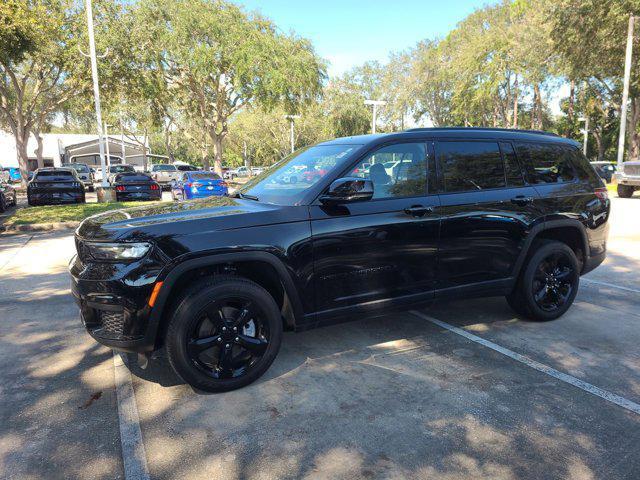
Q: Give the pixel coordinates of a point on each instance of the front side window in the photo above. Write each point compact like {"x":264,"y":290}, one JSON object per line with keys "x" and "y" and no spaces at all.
{"x":545,"y":163}
{"x":288,"y":182}
{"x":398,"y":170}
{"x":470,"y":166}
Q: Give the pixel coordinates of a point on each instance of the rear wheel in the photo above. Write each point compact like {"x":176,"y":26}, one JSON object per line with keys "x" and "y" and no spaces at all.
{"x":549,"y":284}
{"x":625,"y":191}
{"x":223,"y":334}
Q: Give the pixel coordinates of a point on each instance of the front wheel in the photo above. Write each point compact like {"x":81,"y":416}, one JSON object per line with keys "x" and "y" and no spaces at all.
{"x":625,"y":191}
{"x":223,"y":334}
{"x":549,"y":284}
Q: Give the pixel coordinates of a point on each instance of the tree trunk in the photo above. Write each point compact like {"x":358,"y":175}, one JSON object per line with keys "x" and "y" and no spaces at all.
{"x":39,"y":149}
{"x":515,"y":103}
{"x":217,"y":153}
{"x":600,"y":145}
{"x":167,"y":145}
{"x":537,"y":98}
{"x":572,"y":93}
{"x":23,"y":157}
{"x":633,"y":138}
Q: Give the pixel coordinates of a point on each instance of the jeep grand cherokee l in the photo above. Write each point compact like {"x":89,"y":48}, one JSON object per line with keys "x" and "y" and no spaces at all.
{"x":464,"y":212}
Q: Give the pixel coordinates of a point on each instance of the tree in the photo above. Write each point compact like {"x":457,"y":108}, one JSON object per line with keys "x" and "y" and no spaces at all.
{"x":218,"y":59}
{"x":38,"y":62}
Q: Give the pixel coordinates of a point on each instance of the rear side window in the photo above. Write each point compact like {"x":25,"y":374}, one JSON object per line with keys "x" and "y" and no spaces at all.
{"x":586,"y":172}
{"x":545,"y":163}
{"x":469,"y":166}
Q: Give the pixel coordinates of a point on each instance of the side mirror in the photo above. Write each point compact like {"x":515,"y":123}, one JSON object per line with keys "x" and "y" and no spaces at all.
{"x":347,"y":190}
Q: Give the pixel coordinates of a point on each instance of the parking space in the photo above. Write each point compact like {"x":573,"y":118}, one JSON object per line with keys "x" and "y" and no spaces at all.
{"x":395,"y":396}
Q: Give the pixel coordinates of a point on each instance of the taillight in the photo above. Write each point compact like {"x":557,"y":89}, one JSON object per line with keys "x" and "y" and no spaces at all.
{"x":196,"y":184}
{"x":120,"y":188}
{"x":224,"y":184}
{"x":602,"y":193}
{"x":154,"y":186}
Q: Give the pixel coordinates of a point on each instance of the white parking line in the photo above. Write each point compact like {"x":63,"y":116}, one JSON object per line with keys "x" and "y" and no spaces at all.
{"x":552,"y":372}
{"x":610,"y":285}
{"x":133,"y":454}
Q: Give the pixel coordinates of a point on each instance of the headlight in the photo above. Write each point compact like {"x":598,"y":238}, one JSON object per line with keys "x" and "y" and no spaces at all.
{"x":117,"y":251}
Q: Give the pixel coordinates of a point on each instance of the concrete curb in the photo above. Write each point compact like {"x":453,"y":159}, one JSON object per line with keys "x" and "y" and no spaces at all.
{"x":39,"y":227}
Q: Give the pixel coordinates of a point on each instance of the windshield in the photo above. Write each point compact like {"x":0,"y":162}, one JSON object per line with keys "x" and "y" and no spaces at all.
{"x":121,"y":168}
{"x":80,"y":168}
{"x":287,"y":182}
{"x":162,"y":168}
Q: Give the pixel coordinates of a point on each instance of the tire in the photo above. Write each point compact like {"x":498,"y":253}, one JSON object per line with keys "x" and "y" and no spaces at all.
{"x":3,"y":203}
{"x":625,"y":191}
{"x":223,"y":299}
{"x":548,"y":284}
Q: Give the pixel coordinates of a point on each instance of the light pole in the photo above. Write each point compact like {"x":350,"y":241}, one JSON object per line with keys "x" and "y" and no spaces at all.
{"x":586,"y":134}
{"x":375,"y":104}
{"x":96,"y":90}
{"x":625,"y":91}
{"x":292,"y":119}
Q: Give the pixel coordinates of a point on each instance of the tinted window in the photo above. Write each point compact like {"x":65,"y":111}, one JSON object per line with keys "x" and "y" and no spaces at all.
{"x":545,"y":163}
{"x":512,"y":168}
{"x":205,"y":176}
{"x":80,"y":168}
{"x":132,"y":177}
{"x":396,"y":170}
{"x":471,"y":166}
{"x":186,"y":168}
{"x":121,"y":169}
{"x":54,"y":175}
{"x":586,"y":171}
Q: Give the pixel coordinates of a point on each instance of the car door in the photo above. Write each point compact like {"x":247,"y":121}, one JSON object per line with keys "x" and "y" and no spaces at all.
{"x":486,"y":210}
{"x":384,"y":250}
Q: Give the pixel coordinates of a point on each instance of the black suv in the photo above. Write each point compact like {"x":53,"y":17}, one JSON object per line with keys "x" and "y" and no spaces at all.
{"x":340,"y":229}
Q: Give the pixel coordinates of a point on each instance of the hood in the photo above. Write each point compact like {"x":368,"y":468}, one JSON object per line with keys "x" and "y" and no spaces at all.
{"x":179,"y":218}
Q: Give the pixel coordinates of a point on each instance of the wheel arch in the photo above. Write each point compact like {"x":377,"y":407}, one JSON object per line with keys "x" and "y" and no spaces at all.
{"x":264,"y":268}
{"x":569,"y":231}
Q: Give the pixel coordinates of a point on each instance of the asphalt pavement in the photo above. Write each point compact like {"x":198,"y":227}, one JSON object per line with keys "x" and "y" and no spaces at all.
{"x":457,"y":390}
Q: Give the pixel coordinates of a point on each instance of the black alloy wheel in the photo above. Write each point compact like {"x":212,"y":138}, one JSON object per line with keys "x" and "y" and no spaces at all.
{"x":549,"y":282}
{"x":229,"y":338}
{"x":553,"y":281}
{"x":224,"y":333}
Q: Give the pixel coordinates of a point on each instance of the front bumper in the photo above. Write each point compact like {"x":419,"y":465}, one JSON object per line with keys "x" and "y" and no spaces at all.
{"x":113,"y":301}
{"x":626,"y":180}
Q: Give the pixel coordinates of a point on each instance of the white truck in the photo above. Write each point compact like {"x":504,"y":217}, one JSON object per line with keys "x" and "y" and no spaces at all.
{"x":165,"y":174}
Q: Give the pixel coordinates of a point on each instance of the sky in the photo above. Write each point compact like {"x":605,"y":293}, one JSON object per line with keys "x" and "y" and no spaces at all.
{"x":348,"y":33}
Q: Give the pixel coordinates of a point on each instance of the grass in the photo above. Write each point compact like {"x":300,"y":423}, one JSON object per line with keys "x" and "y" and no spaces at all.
{"x":64,"y":213}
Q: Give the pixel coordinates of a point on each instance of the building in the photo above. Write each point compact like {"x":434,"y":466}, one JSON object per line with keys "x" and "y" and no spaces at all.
{"x":61,"y":148}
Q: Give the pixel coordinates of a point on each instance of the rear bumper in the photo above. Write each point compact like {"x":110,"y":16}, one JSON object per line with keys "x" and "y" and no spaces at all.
{"x":143,"y":196}
{"x":55,"y":198}
{"x":593,"y":262}
{"x":210,"y":193}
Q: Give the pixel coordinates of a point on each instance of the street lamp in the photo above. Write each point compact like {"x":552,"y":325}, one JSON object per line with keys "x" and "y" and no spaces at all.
{"x":586,"y":133}
{"x":375,"y":104}
{"x":292,"y":119}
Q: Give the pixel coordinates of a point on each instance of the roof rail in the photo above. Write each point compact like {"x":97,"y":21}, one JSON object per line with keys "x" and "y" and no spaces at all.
{"x":488,"y":129}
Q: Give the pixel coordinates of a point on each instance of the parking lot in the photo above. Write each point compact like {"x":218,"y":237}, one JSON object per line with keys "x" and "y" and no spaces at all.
{"x":459,"y":390}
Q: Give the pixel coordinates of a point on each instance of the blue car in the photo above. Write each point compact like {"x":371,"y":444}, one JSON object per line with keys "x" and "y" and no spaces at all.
{"x":198,"y":184}
{"x":14,"y":173}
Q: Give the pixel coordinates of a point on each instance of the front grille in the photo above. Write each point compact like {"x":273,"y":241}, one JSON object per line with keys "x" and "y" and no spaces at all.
{"x":112,"y":323}
{"x":632,"y":170}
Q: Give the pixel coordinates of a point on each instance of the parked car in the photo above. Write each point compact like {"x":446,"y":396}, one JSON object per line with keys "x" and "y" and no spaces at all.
{"x":313,"y":174}
{"x":164,"y":174}
{"x":8,"y":196}
{"x":55,"y":185}
{"x":12,"y":174}
{"x":84,"y":174}
{"x":198,"y":185}
{"x":605,"y":170}
{"x":115,"y":170}
{"x":472,"y":212}
{"x":257,"y":170}
{"x":628,"y":179}
{"x":239,"y":172}
{"x":136,"y":186}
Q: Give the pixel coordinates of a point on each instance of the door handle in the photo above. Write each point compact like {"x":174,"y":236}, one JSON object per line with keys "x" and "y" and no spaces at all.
{"x":418,"y":210}
{"x":522,"y":200}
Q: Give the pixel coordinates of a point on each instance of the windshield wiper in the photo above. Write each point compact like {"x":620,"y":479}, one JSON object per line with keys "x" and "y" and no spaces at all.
{"x":246,"y":197}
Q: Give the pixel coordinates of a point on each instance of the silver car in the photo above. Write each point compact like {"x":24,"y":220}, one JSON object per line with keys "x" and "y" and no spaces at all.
{"x":628,"y":179}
